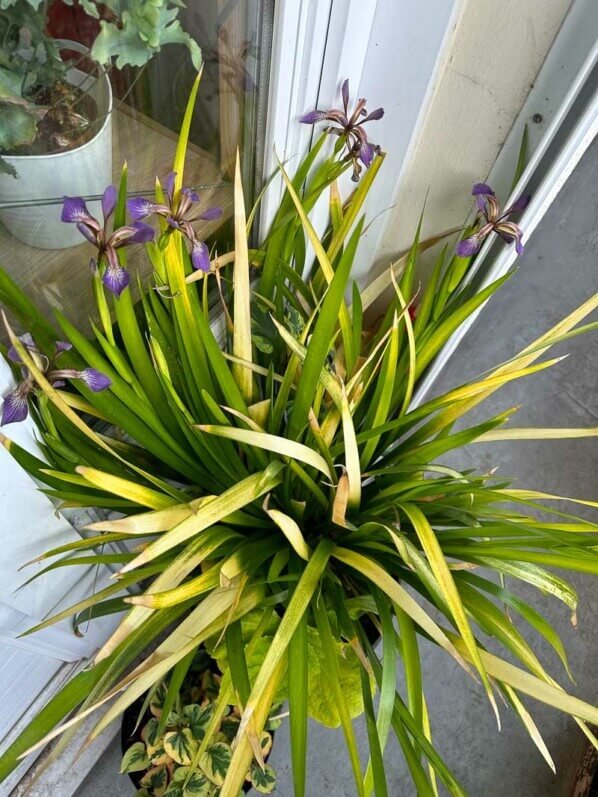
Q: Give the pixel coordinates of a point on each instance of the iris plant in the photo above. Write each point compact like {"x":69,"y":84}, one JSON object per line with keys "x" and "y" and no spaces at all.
{"x":74,"y":211}
{"x":180,"y":213}
{"x":15,"y":407}
{"x":495,"y":221}
{"x":350,"y":128}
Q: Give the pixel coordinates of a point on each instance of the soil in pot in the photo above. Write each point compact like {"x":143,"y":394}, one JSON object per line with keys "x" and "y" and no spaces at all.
{"x":71,"y":119}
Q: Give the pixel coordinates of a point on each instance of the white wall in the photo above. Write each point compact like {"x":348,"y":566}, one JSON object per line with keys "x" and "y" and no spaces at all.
{"x":489,"y":60}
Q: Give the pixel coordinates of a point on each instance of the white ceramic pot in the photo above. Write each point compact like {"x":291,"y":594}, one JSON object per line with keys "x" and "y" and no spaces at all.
{"x":31,"y":204}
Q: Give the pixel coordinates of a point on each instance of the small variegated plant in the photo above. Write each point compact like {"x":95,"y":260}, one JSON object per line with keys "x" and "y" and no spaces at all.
{"x":281,"y":497}
{"x":168,"y":759}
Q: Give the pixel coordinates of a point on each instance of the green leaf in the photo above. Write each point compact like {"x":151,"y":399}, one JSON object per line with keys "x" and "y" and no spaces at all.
{"x":198,"y":786}
{"x":180,"y":745}
{"x":216,"y":761}
{"x":263,"y":780}
{"x":135,"y":759}
{"x":199,"y":718}
{"x":318,"y":348}
{"x":330,"y":663}
{"x":155,"y":780}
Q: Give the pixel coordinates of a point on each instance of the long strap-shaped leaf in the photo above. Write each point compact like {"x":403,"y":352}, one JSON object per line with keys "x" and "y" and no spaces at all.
{"x":382,"y":579}
{"x":318,"y":348}
{"x":261,"y":694}
{"x":241,"y":293}
{"x":449,"y":590}
{"x":514,"y":433}
{"x":271,"y":442}
{"x":189,"y":558}
{"x":126,"y":489}
{"x":217,"y":509}
{"x":531,"y":685}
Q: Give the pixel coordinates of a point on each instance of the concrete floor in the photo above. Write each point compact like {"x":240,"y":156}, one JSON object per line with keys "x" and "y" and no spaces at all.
{"x":557,"y":271}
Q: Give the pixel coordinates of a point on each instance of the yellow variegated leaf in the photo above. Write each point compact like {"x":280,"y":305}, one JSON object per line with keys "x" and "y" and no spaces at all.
{"x":126,"y":489}
{"x":378,"y":576}
{"x":290,"y":529}
{"x":236,"y":497}
{"x":450,"y":593}
{"x":351,"y":455}
{"x":241,"y":293}
{"x":271,"y":442}
{"x":536,"y":434}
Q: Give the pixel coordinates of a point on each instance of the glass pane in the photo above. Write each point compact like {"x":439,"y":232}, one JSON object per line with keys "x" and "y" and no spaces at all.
{"x":67,"y":124}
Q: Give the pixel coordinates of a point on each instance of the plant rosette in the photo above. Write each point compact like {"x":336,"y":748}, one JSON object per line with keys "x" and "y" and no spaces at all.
{"x":187,"y":753}
{"x":281,"y":497}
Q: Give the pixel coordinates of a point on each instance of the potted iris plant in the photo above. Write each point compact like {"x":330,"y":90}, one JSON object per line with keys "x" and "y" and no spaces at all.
{"x":56,"y":106}
{"x":280,"y":497}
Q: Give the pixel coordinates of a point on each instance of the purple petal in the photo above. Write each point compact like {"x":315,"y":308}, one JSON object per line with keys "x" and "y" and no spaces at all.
{"x":27,"y":341}
{"x":200,"y":256}
{"x":86,"y":232}
{"x":520,"y":204}
{"x":109,"y":201}
{"x":480,"y":203}
{"x":94,"y":379}
{"x":62,"y":345}
{"x":482,"y":189}
{"x":193,"y":196}
{"x":143,"y":233}
{"x":366,"y":153}
{"x":345,"y":93}
{"x":312,"y":117}
{"x":169,"y":184}
{"x":139,"y":207}
{"x":172,"y":222}
{"x":378,"y":113}
{"x":15,"y":407}
{"x":469,"y":246}
{"x":211,"y":214}
{"x":116,"y":279}
{"x":518,"y":246}
{"x":58,"y":383}
{"x":74,"y":210}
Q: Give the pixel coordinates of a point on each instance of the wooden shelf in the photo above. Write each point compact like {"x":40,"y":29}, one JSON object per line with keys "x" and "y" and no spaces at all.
{"x":60,"y":277}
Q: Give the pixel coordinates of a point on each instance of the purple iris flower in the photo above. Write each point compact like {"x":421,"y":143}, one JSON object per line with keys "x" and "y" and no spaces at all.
{"x":74,"y":211}
{"x":350,"y":128}
{"x":16,"y":405}
{"x":180,"y":213}
{"x":495,"y":221}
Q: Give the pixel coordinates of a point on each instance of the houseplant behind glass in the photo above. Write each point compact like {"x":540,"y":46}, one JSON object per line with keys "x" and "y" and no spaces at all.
{"x":56,"y":108}
{"x":288,"y":477}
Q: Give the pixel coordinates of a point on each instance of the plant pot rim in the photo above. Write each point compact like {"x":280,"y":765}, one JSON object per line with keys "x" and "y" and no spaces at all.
{"x":80,"y":48}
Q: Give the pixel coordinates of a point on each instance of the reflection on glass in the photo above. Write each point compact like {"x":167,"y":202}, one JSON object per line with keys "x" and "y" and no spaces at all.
{"x":85,"y":87}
